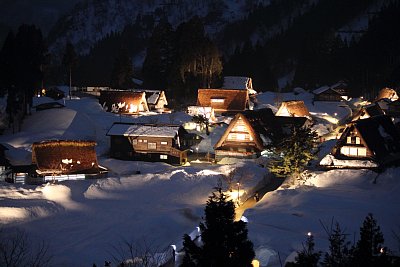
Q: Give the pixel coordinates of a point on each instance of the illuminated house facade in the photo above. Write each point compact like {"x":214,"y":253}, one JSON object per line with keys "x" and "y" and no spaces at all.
{"x":148,"y":142}
{"x":373,"y":142}
{"x":121,"y":101}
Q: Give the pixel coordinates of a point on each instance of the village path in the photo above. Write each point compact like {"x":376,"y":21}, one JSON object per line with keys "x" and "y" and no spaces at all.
{"x":274,"y":183}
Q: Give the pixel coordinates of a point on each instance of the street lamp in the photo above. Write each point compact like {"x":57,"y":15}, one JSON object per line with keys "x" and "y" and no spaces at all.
{"x":238,"y":196}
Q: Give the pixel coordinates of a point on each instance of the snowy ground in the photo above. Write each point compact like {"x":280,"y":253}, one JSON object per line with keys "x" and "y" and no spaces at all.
{"x":84,"y":220}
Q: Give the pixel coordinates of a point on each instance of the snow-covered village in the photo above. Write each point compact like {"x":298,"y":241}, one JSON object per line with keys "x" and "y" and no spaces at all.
{"x":199,"y":133}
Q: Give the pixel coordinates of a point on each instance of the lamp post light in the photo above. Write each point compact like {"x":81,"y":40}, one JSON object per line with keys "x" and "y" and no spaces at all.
{"x":197,"y":152}
{"x":238,"y":193}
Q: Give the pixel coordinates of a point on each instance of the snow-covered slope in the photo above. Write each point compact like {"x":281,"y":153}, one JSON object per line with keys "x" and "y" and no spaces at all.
{"x":83,"y":221}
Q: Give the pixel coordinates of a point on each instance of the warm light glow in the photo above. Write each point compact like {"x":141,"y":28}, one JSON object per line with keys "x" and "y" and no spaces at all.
{"x":132,"y":108}
{"x":309,"y":234}
{"x":255,"y":263}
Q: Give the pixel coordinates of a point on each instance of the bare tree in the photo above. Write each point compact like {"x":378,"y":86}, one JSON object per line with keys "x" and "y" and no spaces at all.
{"x":17,"y":250}
{"x":140,"y":253}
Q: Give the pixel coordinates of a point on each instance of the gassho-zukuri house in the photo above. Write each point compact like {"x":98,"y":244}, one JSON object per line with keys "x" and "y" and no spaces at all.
{"x":123,"y":101}
{"x":148,"y":142}
{"x":66,"y":160}
{"x":250,"y":132}
{"x":369,"y":143}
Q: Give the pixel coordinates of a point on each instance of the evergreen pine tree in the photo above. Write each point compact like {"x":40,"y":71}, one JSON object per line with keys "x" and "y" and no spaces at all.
{"x":224,"y":240}
{"x":308,"y":257}
{"x":159,"y":56}
{"x":293,"y":153}
{"x":339,"y":251}
{"x":369,"y":250}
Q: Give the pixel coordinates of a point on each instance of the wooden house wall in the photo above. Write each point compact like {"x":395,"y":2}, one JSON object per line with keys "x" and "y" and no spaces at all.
{"x":138,"y":148}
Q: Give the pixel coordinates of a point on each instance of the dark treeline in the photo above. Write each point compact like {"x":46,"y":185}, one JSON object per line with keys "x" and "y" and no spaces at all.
{"x":182,"y":60}
{"x":22,"y":60}
{"x":311,"y":45}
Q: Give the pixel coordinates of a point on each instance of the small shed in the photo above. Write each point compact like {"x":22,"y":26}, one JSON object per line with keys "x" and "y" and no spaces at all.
{"x":122,"y":101}
{"x":369,"y":143}
{"x":56,"y":158}
{"x":148,"y":142}
{"x":293,"y":108}
{"x":224,"y":100}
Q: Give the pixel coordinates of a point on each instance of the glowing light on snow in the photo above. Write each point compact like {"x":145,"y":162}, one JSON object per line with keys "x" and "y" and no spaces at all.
{"x":207,"y":172}
{"x":244,"y":219}
{"x":13,"y":214}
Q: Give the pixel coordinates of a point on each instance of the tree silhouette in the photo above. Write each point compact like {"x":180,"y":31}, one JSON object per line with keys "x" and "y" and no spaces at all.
{"x":224,"y":240}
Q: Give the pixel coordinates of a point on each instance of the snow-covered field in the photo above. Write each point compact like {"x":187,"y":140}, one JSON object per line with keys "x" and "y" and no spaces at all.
{"x":83,"y":220}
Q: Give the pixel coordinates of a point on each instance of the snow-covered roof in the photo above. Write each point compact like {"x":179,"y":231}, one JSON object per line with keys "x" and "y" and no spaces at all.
{"x":151,"y":95}
{"x":143,"y":130}
{"x":321,"y":89}
{"x":235,"y":82}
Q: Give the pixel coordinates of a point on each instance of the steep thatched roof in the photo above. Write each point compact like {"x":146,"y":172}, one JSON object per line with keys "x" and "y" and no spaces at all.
{"x":293,"y":108}
{"x":387,"y":93}
{"x":379,"y":134}
{"x":231,"y":100}
{"x":127,"y":98}
{"x":261,"y":123}
{"x":368,"y":111}
{"x":65,"y":157}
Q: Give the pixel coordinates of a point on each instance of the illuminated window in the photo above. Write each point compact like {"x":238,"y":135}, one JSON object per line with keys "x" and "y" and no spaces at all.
{"x":232,"y":136}
{"x":163,"y":157}
{"x":140,"y":140}
{"x":134,"y":141}
{"x":164,"y":143}
{"x":362,"y":152}
{"x":348,"y":139}
{"x":353,"y":151}
{"x":152,"y":146}
{"x":217,"y":100}
{"x":144,"y":141}
{"x":358,"y":140}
